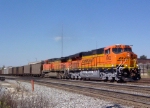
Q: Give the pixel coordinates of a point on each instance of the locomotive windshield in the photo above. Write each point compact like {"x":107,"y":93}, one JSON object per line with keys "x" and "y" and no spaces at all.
{"x":127,"y":49}
{"x":117,"y":50}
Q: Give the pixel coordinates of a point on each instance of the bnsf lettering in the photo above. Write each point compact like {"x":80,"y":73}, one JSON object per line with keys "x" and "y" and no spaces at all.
{"x":125,"y":58}
{"x":87,"y":61}
{"x":121,"y":58}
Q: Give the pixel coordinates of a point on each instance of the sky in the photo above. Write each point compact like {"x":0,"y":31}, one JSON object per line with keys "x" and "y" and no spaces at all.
{"x":32,"y":30}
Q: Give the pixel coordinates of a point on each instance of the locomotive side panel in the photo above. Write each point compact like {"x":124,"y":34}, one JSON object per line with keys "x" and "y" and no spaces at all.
{"x":57,"y":66}
{"x":75,"y":65}
{"x":99,"y":61}
{"x":109,"y":57}
{"x":46,"y":67}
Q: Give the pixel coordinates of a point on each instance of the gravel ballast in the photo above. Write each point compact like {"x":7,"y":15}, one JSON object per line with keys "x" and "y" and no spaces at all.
{"x":64,"y":99}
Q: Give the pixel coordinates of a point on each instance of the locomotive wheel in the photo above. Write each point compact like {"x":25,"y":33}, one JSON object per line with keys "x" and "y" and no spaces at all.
{"x":121,"y":81}
{"x":134,"y":78}
{"x":106,"y":79}
{"x":113,"y":79}
{"x":139,"y":77}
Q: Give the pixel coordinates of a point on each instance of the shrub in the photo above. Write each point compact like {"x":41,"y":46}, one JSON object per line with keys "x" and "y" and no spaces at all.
{"x":22,"y":98}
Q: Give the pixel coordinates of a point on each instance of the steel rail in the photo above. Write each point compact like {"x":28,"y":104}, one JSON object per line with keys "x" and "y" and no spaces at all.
{"x":131,"y":86}
{"x":116,"y":95}
{"x":138,"y":98}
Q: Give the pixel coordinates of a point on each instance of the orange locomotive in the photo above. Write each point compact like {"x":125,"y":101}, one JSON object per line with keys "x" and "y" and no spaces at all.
{"x":116,"y":62}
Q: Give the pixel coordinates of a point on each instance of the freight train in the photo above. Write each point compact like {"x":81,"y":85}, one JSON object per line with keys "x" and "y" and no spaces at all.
{"x":115,"y":63}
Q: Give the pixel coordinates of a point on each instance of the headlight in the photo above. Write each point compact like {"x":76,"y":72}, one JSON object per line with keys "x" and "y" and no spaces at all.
{"x":128,"y":55}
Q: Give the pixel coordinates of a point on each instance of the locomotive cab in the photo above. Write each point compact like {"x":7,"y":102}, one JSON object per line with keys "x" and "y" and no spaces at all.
{"x":122,"y":57}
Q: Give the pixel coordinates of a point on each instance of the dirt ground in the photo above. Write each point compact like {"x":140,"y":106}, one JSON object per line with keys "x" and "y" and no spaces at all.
{"x":145,"y":75}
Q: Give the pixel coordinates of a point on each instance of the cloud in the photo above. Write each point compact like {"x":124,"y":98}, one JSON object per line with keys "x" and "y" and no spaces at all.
{"x":58,"y":38}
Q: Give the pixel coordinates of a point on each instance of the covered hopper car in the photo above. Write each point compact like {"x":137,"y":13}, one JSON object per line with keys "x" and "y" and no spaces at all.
{"x":27,"y":70}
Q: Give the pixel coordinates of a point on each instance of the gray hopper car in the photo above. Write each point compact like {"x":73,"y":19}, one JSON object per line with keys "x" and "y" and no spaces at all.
{"x":5,"y":71}
{"x":10,"y":71}
{"x":27,"y":69}
{"x":2,"y":71}
{"x":15,"y":70}
{"x":36,"y":69}
{"x":20,"y":70}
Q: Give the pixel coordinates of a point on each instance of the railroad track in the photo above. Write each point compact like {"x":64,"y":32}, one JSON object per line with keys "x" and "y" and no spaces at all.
{"x":140,"y":89}
{"x":117,"y":92}
{"x":137,"y":89}
{"x":144,"y":81}
{"x":132,"y":99}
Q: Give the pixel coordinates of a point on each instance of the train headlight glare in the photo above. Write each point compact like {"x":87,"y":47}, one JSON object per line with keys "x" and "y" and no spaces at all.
{"x":128,"y":55}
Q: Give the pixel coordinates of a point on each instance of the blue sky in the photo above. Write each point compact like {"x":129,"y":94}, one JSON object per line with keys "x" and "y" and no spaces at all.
{"x":30,"y":30}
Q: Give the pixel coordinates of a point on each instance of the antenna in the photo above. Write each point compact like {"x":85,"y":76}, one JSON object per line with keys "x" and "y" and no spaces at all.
{"x":96,"y":44}
{"x":62,"y":42}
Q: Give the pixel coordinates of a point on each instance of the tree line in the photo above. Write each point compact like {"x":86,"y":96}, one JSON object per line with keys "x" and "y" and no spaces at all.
{"x":143,"y":57}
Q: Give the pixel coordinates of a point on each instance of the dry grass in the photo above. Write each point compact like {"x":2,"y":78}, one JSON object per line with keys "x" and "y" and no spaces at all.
{"x":23,"y":98}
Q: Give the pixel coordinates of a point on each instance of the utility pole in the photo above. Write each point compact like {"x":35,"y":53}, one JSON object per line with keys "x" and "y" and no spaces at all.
{"x":96,"y":44}
{"x":62,"y":42}
{"x":96,"y":54}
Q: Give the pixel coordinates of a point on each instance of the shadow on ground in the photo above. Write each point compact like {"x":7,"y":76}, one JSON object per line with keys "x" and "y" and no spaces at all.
{"x":113,"y":106}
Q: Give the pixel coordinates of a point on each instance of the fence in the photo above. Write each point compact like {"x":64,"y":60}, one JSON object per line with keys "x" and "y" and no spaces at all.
{"x":145,"y":68}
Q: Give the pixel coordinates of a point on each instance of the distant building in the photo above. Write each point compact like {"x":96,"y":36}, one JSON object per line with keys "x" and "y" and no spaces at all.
{"x":143,"y":61}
